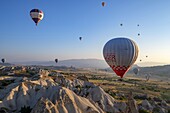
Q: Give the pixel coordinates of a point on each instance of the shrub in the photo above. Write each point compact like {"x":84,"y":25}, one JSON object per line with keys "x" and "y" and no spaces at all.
{"x":6,"y":82}
{"x":122,"y":98}
{"x":168,"y":110}
{"x":25,"y":109}
{"x":87,"y":94}
{"x":4,"y":110}
{"x":87,"y":86}
{"x":78,"y":86}
{"x":155,"y":110}
{"x":143,"y":111}
{"x":36,"y":89}
{"x":143,"y":88}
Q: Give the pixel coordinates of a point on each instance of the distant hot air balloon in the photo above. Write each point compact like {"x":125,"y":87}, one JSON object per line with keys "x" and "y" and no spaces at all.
{"x":56,"y":60}
{"x":120,"y":54}
{"x":147,"y":76}
{"x":136,"y":70}
{"x":80,"y":38}
{"x":36,"y":15}
{"x":3,"y":60}
{"x":140,"y":60}
{"x":121,"y":24}
{"x":138,"y":34}
{"x":138,"y":25}
{"x":103,"y":4}
{"x":146,"y":56}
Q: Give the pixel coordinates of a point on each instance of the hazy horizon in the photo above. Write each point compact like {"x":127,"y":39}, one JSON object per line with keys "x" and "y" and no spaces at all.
{"x":52,"y":62}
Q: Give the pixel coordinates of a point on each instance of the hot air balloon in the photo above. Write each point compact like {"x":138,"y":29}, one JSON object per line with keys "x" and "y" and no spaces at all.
{"x":36,"y":15}
{"x":140,"y":60}
{"x":103,"y":4}
{"x":138,"y":25}
{"x":138,"y":34}
{"x":120,"y":54}
{"x":80,"y":38}
{"x":3,"y":60}
{"x":147,"y":76}
{"x":136,"y":70}
{"x":121,"y":24}
{"x":56,"y":60}
{"x":146,"y":56}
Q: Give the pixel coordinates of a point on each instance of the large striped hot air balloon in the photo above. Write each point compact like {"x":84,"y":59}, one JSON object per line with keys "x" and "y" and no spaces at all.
{"x":120,"y":54}
{"x":36,"y":15}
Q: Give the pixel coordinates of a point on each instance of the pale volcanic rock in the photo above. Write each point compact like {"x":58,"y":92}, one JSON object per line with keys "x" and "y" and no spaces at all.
{"x":147,"y":105}
{"x":104,"y":100}
{"x":132,"y":106}
{"x":122,"y":106}
{"x":29,"y":93}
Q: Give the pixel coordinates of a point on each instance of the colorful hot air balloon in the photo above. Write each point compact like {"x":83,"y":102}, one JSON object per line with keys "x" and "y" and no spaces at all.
{"x":36,"y":15}
{"x":120,"y":54}
{"x":56,"y":60}
{"x":103,"y":4}
{"x":136,"y":70}
{"x":3,"y":60}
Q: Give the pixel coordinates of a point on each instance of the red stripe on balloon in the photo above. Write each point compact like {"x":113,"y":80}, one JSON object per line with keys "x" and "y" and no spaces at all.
{"x":120,"y":70}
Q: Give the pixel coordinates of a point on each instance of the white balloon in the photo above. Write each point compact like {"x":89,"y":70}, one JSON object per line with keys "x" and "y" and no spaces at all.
{"x":120,"y":54}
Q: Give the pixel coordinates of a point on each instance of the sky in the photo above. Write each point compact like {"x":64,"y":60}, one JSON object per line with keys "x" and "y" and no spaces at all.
{"x":57,"y":35}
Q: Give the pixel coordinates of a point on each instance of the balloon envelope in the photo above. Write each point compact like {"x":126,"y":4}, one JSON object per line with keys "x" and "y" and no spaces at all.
{"x":120,"y":54}
{"x":103,"y":4}
{"x":136,"y":70}
{"x":36,"y":15}
{"x":56,"y":60}
{"x":3,"y":60}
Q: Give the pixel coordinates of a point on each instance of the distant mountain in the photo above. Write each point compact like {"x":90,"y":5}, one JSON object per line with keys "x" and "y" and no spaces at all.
{"x":149,"y":64}
{"x":162,"y":71}
{"x":6,"y":64}
{"x":157,"y":70}
{"x":83,"y":63}
{"x":78,"y":63}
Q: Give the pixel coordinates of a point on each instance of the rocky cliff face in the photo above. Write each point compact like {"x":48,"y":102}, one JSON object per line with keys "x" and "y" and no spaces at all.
{"x":44,"y":94}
